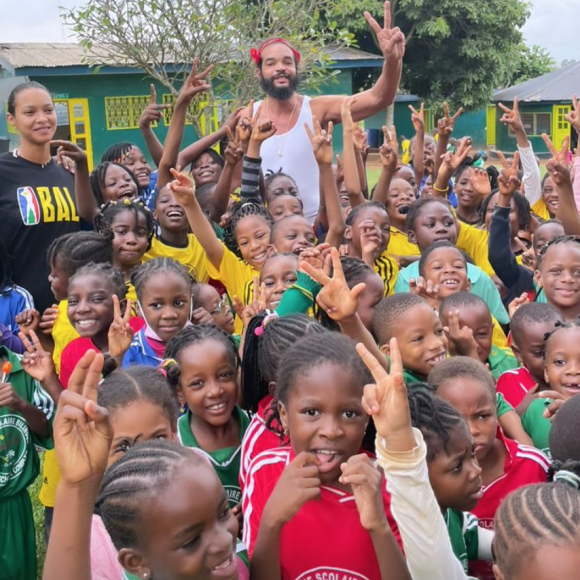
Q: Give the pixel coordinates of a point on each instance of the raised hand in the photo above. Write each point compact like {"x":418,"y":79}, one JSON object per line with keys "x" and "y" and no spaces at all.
{"x":36,"y":361}
{"x":82,"y":430}
{"x":316,"y":256}
{"x":559,"y":173}
{"x":335,"y":298}
{"x":28,"y":320}
{"x":558,"y":155}
{"x":528,"y":256}
{"x":70,"y":150}
{"x":390,"y":40}
{"x":461,"y":341}
{"x":195,"y":83}
{"x":452,"y":161}
{"x":247,"y":122}
{"x":183,"y":187}
{"x":479,"y":180}
{"x":120,"y":332}
{"x":510,"y":166}
{"x":446,"y":123}
{"x":517,"y":303}
{"x":370,"y":239}
{"x":263,"y":130}
{"x":511,"y":117}
{"x":386,"y":400}
{"x":418,"y":118}
{"x":234,"y":152}
{"x":366,"y":482}
{"x":425,"y":289}
{"x":321,"y":142}
{"x":153,"y":112}
{"x":360,"y":138}
{"x":573,"y":117}
{"x":389,"y":149}
{"x":508,"y":183}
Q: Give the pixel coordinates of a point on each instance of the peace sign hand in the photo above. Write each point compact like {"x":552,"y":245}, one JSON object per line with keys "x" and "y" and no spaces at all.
{"x":391,"y":40}
{"x":560,"y":156}
{"x":418,"y":118}
{"x":246,"y":124}
{"x":511,"y":167}
{"x":234,"y":152}
{"x":120,"y":332}
{"x":389,"y":149}
{"x":446,"y":123}
{"x":511,"y":117}
{"x":451,"y":162}
{"x":573,"y":117}
{"x":386,"y":400}
{"x":153,"y":112}
{"x":183,"y":188}
{"x":195,"y":83}
{"x":559,"y":173}
{"x":82,"y":430}
{"x":338,"y":300}
{"x":36,"y":362}
{"x":508,"y":183}
{"x":321,"y":142}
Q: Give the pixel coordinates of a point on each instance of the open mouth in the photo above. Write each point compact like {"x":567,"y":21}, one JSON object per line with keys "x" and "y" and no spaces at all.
{"x":437,"y":359}
{"x":450,"y":283}
{"x":217,"y":408}
{"x":329,"y":459}
{"x":206,"y":173}
{"x":566,"y":292}
{"x":227,"y":568}
{"x":573,"y":387}
{"x":260,"y":257}
{"x":87,"y":323}
{"x":174,"y":214}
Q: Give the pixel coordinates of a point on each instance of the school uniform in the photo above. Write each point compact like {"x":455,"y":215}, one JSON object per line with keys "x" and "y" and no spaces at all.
{"x":399,"y":244}
{"x":475,"y":242}
{"x":410,"y":377}
{"x":325,"y":539}
{"x":226,"y":462}
{"x":537,"y":426}
{"x":501,"y":360}
{"x":141,"y":352}
{"x":19,"y":467}
{"x":258,"y":438}
{"x":13,"y":300}
{"x":523,"y":465}
{"x":388,"y":269}
{"x":514,"y":385}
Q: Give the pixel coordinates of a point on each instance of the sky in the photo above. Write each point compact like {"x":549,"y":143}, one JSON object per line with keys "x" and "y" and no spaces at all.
{"x":553,"y":24}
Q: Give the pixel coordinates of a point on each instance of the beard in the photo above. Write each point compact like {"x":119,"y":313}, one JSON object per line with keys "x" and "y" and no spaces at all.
{"x":280,"y":93}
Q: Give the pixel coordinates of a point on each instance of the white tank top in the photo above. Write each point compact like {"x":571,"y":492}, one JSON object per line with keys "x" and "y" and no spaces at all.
{"x":292,"y":154}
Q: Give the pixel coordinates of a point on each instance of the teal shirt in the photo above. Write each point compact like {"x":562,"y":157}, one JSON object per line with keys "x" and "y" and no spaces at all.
{"x":481,"y":284}
{"x":537,"y":426}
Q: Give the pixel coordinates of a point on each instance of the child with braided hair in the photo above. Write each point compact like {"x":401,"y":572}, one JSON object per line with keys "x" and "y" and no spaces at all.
{"x":112,"y":181}
{"x":202,"y":367}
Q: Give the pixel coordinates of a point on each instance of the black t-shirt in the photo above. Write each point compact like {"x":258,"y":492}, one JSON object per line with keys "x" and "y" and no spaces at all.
{"x":37,"y":205}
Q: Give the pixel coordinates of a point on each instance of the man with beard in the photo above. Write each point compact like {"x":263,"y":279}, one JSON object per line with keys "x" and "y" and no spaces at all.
{"x":290,"y":150}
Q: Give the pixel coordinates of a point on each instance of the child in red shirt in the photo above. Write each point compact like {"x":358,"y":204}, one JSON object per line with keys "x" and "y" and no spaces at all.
{"x":506,"y":465}
{"x":529,"y":326}
{"x":348,"y":530}
{"x":263,"y":349}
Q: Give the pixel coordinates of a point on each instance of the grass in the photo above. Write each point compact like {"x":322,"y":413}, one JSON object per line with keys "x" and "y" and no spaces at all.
{"x":38,"y":513}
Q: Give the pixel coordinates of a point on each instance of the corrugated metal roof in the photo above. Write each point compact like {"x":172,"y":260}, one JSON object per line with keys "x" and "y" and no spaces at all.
{"x":50,"y":55}
{"x":560,"y":85}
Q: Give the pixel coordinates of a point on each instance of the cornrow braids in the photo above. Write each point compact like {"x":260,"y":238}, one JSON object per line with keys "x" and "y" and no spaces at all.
{"x":145,"y":271}
{"x":106,"y":271}
{"x":5,"y":270}
{"x":118,"y":152}
{"x":351,"y":218}
{"x":435,"y":246}
{"x":532,"y":517}
{"x":139,"y":383}
{"x":105,"y":219}
{"x":98,"y":176}
{"x":79,"y":248}
{"x":133,"y":482}
{"x":554,"y":242}
{"x":240,"y":210}
{"x":415,"y":209}
{"x":532,"y":313}
{"x":434,"y":417}
{"x":196,"y":334}
{"x":263,"y":351}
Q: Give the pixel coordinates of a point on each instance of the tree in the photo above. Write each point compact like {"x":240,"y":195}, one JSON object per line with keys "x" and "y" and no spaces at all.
{"x":162,"y":37}
{"x":457,"y":50}
{"x":533,"y":62}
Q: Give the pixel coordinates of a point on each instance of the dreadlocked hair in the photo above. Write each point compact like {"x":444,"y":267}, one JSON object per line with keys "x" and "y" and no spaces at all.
{"x":133,"y":482}
{"x":240,"y":210}
{"x":79,"y":248}
{"x":98,"y":176}
{"x":105,"y":219}
{"x":555,"y":242}
{"x":106,"y":271}
{"x":329,"y":348}
{"x":6,"y":282}
{"x":139,"y":383}
{"x":145,"y":271}
{"x":434,"y":417}
{"x":354,"y":213}
{"x":196,"y":334}
{"x":522,"y":205}
{"x":263,"y":351}
{"x":532,"y":517}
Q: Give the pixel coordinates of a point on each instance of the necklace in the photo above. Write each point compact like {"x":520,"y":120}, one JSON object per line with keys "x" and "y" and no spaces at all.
{"x":42,"y":165}
{"x":280,"y":151}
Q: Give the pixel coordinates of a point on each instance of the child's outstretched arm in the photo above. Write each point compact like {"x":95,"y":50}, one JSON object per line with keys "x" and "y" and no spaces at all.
{"x":401,"y":452}
{"x":450,"y":163}
{"x":193,"y":86}
{"x":322,"y":146}
{"x":361,"y":151}
{"x":83,"y":435}
{"x":418,"y":120}
{"x":351,"y":176}
{"x":251,"y":168}
{"x":388,"y":156}
{"x":152,"y":113}
{"x":573,"y":117}
{"x":444,"y":129}
{"x":184,"y":190}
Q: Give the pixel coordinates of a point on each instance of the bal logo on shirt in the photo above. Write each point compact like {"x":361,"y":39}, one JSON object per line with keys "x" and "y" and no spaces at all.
{"x":330,"y":573}
{"x":14,"y":439}
{"x":46,"y":204}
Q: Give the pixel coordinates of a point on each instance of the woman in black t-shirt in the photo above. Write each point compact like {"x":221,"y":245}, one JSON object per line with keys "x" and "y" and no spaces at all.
{"x":37,"y":196}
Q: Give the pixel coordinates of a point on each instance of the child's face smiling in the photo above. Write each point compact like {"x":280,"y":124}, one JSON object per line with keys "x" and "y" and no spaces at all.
{"x":253,"y":239}
{"x":293,"y":235}
{"x":90,"y":307}
{"x":447,"y":268}
{"x":285,"y":205}
{"x":118,"y":184}
{"x":477,"y":405}
{"x":208,"y":382}
{"x":514,"y":217}
{"x":562,"y":366}
{"x":277,"y":275}
{"x":170,"y":215}
{"x":166,"y":304}
{"x":367,"y":218}
{"x":205,"y":170}
{"x":454,"y":473}
{"x":433,"y":224}
{"x":467,"y":197}
{"x":559,"y":275}
{"x":551,"y":196}
{"x":137,"y":163}
{"x":421,"y":338}
{"x":331,"y":427}
{"x":479,"y":320}
{"x":189,"y":531}
{"x":400,"y":195}
{"x":131,"y":238}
